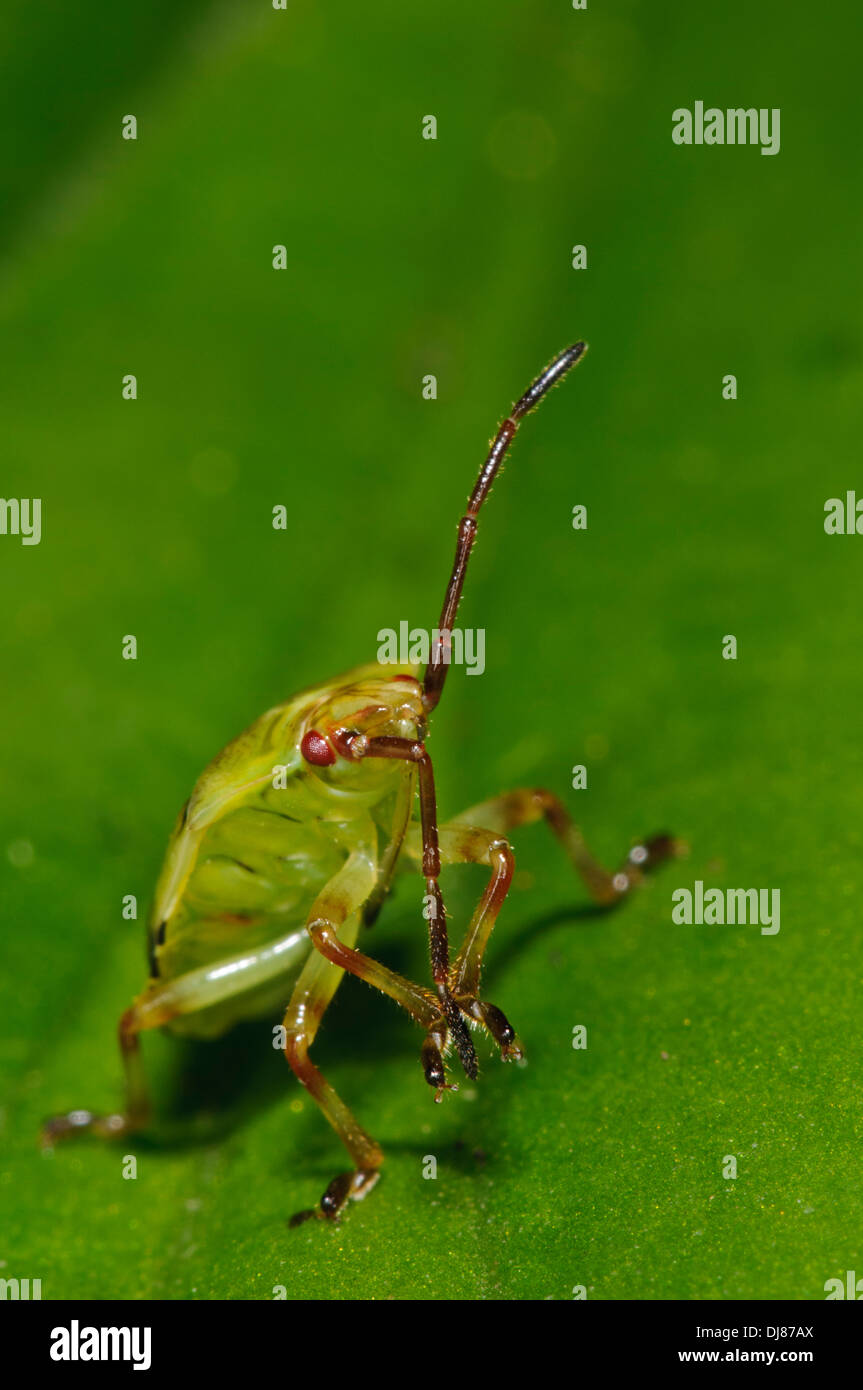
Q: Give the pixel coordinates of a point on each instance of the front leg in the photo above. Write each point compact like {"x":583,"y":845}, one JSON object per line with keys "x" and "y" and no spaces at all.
{"x":413,"y":753}
{"x":466,"y":844}
{"x":333,"y":925}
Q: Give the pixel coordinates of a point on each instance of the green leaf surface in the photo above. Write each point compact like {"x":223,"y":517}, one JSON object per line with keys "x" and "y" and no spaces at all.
{"x":600,"y":1167}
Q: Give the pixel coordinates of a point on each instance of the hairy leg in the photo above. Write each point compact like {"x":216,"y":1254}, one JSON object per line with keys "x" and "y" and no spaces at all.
{"x":468,"y":844}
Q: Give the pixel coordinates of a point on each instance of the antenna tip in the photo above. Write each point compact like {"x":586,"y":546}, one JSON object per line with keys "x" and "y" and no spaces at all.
{"x":554,"y":372}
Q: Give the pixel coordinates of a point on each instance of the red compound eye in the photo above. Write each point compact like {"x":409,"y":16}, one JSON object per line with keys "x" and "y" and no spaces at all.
{"x":316,"y":750}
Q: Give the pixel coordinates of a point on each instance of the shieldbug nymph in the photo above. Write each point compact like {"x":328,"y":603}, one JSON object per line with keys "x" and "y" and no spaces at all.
{"x":267,"y":880}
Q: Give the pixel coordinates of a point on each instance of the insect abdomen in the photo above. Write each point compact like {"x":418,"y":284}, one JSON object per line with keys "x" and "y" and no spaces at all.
{"x":256,"y":873}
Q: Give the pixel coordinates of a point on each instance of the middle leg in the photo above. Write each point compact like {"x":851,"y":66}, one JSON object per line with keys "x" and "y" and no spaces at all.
{"x":312,"y":995}
{"x":477,"y":836}
{"x":504,"y":813}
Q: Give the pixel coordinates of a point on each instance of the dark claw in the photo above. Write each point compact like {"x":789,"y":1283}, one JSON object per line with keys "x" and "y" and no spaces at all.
{"x":461,"y":1037}
{"x":498,"y":1025}
{"x":435,"y":1074}
{"x":336,"y":1195}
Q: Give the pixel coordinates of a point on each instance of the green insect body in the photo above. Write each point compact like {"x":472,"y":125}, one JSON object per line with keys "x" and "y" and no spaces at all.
{"x":262,"y":834}
{"x":289,"y":844}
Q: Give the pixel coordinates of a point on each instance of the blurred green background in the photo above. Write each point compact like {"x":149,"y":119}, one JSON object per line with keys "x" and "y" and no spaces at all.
{"x":602,"y":1167}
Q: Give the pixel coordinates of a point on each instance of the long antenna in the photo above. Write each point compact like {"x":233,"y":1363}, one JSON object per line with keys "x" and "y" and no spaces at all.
{"x":436,"y":671}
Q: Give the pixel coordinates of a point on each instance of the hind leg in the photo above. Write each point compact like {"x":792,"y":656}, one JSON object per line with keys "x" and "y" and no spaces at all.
{"x":137,"y":1109}
{"x":162,"y":1001}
